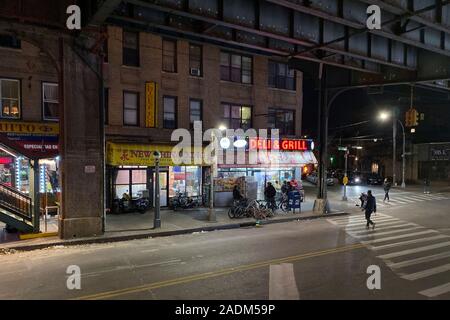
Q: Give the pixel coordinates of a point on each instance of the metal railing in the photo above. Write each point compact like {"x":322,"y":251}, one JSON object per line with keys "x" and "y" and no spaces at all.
{"x":16,"y":202}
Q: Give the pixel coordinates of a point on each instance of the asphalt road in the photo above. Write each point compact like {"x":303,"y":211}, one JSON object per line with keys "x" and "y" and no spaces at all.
{"x":317,"y":259}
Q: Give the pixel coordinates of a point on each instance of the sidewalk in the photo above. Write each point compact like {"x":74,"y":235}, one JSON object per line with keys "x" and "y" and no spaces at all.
{"x":139,"y":226}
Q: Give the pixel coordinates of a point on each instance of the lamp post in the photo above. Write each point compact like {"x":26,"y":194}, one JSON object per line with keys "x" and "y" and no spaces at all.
{"x":384,"y":116}
{"x":157,"y":217}
{"x":344,"y":198}
{"x":211,"y":212}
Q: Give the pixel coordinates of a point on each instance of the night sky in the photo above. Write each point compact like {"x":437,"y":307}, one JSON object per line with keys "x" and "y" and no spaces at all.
{"x":358,"y":105}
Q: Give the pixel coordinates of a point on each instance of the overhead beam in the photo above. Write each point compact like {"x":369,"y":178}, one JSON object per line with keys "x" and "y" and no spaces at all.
{"x":158,"y":28}
{"x":259,"y":32}
{"x":358,"y":26}
{"x":104,"y":10}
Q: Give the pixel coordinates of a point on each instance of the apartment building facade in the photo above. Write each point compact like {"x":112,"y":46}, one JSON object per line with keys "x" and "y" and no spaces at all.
{"x":155,"y":84}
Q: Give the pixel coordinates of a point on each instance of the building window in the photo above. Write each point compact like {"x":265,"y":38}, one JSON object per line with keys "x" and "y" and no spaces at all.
{"x":131,"y":48}
{"x":10,"y":98}
{"x":236,"y":116}
{"x":8,"y":41}
{"x":283,"y":120}
{"x":130,"y":108}
{"x":236,"y":68}
{"x":170,"y":112}
{"x":281,"y":76}
{"x":50,"y":101}
{"x":195,"y":111}
{"x":195,"y":60}
{"x":169,"y":55}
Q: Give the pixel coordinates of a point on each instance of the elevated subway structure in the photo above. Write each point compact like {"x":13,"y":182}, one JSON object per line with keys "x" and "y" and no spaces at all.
{"x":328,"y":40}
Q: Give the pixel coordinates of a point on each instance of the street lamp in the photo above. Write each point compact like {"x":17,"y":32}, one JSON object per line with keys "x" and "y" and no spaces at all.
{"x":383,"y":116}
{"x":211,"y":212}
{"x":157,"y":217}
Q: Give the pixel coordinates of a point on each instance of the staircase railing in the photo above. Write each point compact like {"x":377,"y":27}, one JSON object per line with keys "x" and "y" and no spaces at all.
{"x":16,"y":202}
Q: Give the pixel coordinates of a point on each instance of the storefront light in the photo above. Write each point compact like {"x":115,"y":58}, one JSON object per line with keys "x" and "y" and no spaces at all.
{"x":225,"y":143}
{"x":42,"y":179}
{"x":241,"y":143}
{"x":18,"y":169}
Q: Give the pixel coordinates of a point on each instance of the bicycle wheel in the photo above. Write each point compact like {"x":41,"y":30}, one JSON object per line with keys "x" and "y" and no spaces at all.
{"x":232,"y":213}
{"x":284,"y":206}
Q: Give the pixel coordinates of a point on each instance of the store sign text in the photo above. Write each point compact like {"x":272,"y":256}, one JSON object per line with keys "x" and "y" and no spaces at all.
{"x":284,"y":144}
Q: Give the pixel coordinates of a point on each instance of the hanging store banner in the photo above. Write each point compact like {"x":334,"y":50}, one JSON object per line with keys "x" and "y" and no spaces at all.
{"x":34,"y":140}
{"x":151,"y":104}
{"x":120,"y":154}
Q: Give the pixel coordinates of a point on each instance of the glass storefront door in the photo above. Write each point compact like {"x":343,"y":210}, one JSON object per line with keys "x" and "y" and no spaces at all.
{"x":163,"y":188}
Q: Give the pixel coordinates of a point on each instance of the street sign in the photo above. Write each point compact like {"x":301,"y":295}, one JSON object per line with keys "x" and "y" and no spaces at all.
{"x":345,"y":180}
{"x":342,"y":148}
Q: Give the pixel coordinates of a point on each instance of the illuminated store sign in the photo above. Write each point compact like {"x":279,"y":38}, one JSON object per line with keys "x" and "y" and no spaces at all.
{"x":283,"y":144}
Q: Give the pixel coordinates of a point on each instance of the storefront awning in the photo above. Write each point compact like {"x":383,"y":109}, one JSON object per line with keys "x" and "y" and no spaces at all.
{"x":277,"y":159}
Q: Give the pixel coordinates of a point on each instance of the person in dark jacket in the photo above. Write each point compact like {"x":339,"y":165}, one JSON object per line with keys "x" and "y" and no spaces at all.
{"x":237,"y":196}
{"x":371,"y":207}
{"x":270,"y":194}
{"x":387,"y":188}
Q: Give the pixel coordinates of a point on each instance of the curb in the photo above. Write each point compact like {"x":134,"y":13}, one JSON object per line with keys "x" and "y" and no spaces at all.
{"x":148,"y":235}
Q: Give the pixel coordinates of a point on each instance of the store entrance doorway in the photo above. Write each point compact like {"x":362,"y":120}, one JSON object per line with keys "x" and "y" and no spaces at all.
{"x":163,"y":188}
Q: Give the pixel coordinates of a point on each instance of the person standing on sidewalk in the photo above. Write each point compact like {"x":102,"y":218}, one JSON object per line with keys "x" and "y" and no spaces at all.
{"x":387,"y":188}
{"x":371,"y":207}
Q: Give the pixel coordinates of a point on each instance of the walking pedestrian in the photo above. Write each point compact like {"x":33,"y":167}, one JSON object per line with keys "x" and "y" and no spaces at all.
{"x":371,"y":207}
{"x":387,"y":188}
{"x":426,"y":186}
{"x":270,"y":194}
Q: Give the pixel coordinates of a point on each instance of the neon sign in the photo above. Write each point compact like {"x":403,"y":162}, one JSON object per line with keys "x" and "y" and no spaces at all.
{"x":283,"y":144}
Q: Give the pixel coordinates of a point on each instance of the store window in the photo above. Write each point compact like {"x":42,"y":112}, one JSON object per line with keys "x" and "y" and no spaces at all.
{"x":195,"y":111}
{"x":283,"y":120}
{"x":170,"y":112}
{"x":169,"y":55}
{"x":236,"y":116}
{"x":10,"y":98}
{"x":130,"y":181}
{"x":185,"y":180}
{"x":50,"y":101}
{"x":281,"y":76}
{"x":236,"y":68}
{"x":130,"y":108}
{"x":195,"y":60}
{"x":130,"y":48}
{"x":8,"y":41}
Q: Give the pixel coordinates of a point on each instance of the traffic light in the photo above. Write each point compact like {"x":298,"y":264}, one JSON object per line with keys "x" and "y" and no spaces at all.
{"x":331,"y":159}
{"x":411,"y":118}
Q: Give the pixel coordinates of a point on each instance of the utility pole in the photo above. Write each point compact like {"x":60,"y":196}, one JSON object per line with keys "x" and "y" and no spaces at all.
{"x":394,"y":139}
{"x":344,"y":198}
{"x":157,"y":217}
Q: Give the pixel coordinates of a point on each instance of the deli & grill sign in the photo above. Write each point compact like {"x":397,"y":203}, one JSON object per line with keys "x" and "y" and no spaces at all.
{"x":281,"y":144}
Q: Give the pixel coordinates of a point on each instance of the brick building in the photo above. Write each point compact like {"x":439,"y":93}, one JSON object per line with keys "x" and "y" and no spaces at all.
{"x":194,"y":81}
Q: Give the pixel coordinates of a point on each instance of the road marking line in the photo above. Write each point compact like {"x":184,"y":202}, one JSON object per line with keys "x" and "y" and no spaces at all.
{"x":420,"y":260}
{"x":363,"y":221}
{"x":383,"y":239}
{"x":282,"y":283}
{"x":402,"y":243}
{"x":436,"y":291}
{"x":214,"y":274}
{"x":355,"y":216}
{"x":387,"y":232}
{"x":380,"y":225}
{"x":427,"y":272}
{"x":415,"y":250}
{"x":128,"y":267}
{"x":385,"y":228}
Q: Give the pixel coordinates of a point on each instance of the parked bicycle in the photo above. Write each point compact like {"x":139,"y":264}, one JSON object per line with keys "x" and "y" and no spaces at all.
{"x":244,"y":208}
{"x":182,"y":201}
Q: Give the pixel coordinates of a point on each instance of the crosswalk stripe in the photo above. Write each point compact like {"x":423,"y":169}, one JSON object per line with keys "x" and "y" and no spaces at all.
{"x":427,"y":272}
{"x":384,"y":233}
{"x":415,"y":250}
{"x":379,"y":225}
{"x":374,"y":219}
{"x":384,"y":228}
{"x":412,"y":262}
{"x":402,"y":243}
{"x":383,"y":239}
{"x":356,"y":216}
{"x":436,"y":291}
